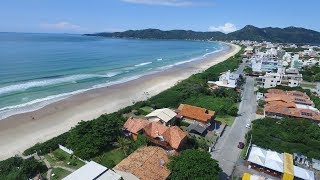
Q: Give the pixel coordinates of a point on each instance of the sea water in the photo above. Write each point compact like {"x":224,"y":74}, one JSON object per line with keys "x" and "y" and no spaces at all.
{"x":39,"y":69}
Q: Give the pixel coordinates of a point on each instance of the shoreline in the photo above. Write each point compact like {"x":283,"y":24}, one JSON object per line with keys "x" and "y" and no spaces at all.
{"x":21,"y":131}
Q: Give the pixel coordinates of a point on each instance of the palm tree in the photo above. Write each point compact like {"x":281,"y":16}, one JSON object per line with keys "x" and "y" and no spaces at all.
{"x":124,"y":144}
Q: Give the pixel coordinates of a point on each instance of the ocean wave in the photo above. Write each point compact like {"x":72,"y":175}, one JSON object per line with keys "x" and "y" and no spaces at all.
{"x":143,"y":64}
{"x":209,"y":53}
{"x":32,"y":84}
{"x":42,"y":102}
{"x":190,"y":60}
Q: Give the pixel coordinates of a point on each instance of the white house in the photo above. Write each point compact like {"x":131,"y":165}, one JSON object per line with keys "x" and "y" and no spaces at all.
{"x":166,"y":116}
{"x":310,"y":62}
{"x":227,"y":79}
{"x":289,"y":77}
{"x":93,"y":171}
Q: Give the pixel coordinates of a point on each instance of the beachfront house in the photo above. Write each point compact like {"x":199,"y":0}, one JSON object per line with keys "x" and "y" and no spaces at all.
{"x":172,"y":137}
{"x":165,"y":116}
{"x":194,"y":114}
{"x":133,"y":126}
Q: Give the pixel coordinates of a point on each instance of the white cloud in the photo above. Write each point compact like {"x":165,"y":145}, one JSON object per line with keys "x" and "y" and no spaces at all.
{"x":166,"y":2}
{"x":226,"y":28}
{"x":63,"y":25}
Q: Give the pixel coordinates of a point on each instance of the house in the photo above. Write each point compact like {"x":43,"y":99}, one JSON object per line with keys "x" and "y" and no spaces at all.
{"x":195,"y":114}
{"x":277,"y":164}
{"x":133,"y":126}
{"x":165,"y":116}
{"x":145,"y":163}
{"x":168,"y":137}
{"x":93,"y":171}
{"x":290,"y":104}
{"x":227,"y":79}
{"x":288,"y":96}
{"x":310,"y":62}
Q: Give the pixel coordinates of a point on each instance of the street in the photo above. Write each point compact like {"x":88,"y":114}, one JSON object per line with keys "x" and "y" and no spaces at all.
{"x":226,"y":150}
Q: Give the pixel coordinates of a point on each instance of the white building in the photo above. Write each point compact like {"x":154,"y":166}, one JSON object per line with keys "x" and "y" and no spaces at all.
{"x":310,"y":52}
{"x":277,"y":162}
{"x":93,"y":171}
{"x":310,"y":62}
{"x":289,"y":77}
{"x":165,"y":116}
{"x":227,"y":79}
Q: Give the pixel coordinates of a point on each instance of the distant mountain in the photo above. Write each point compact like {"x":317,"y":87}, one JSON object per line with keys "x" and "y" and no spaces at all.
{"x":249,"y":32}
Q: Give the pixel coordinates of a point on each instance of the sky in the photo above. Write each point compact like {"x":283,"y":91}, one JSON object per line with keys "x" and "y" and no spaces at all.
{"x":89,"y":16}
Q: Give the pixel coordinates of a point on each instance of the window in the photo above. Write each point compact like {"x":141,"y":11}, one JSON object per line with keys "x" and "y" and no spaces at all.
{"x":306,"y":114}
{"x":301,"y":100}
{"x":295,"y":94}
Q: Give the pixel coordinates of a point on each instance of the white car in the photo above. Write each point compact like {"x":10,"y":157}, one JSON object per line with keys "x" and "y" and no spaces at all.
{"x":248,"y":126}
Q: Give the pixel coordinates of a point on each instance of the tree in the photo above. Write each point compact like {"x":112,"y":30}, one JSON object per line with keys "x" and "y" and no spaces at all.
{"x":90,"y":138}
{"x":193,"y":164}
{"x":124,"y":144}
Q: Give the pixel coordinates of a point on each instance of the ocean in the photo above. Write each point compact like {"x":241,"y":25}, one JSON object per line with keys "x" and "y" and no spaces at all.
{"x":39,"y":69}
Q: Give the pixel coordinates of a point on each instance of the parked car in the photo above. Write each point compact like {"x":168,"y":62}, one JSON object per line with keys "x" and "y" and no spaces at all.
{"x":241,"y":145}
{"x":248,"y":126}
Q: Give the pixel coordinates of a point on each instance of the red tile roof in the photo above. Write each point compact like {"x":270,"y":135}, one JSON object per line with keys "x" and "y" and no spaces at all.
{"x":135,"y":125}
{"x":287,"y":96}
{"x":146,"y":163}
{"x":287,"y":109}
{"x":155,"y":129}
{"x":196,"y":113}
{"x":174,"y":136}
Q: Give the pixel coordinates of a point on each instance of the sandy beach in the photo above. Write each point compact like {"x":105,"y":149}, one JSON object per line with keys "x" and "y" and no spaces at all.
{"x":21,"y":131}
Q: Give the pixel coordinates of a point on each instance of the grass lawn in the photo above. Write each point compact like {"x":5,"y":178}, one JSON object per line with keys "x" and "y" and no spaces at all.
{"x":312,"y":86}
{"x":111,"y":158}
{"x":147,"y":109}
{"x":59,"y":173}
{"x":244,"y":151}
{"x":226,"y":119}
{"x":59,"y":157}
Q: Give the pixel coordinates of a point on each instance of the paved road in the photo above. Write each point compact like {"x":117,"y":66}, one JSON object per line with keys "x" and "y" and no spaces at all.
{"x":226,"y":151}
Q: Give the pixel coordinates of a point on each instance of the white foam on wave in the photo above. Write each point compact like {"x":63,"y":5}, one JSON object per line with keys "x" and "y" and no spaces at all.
{"x":190,"y":60}
{"x":42,"y":102}
{"x":46,"y":82}
{"x":34,"y":104}
{"x":143,"y":64}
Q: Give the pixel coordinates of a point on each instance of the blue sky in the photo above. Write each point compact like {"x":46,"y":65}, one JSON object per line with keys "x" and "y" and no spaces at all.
{"x":86,"y":16}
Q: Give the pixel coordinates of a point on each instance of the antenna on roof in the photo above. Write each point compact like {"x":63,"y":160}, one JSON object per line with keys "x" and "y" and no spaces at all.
{"x":162,"y":162}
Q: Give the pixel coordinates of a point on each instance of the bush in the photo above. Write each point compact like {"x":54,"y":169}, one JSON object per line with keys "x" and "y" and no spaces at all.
{"x":184,"y":123}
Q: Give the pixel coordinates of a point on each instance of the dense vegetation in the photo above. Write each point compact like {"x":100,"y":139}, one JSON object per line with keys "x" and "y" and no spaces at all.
{"x":311,"y":74}
{"x":193,"y":164}
{"x":89,"y":139}
{"x":17,"y":168}
{"x":290,"y":135}
{"x":285,"y":35}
